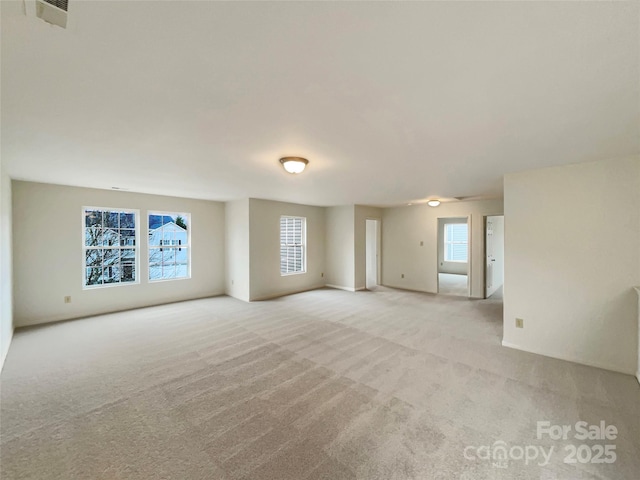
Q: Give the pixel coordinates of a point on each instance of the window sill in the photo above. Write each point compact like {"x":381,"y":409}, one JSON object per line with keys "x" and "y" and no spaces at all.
{"x":109,"y":285}
{"x":292,"y":273}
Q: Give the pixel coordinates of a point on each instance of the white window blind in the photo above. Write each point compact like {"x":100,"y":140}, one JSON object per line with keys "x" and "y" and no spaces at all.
{"x":292,"y":245}
{"x":456,"y":238}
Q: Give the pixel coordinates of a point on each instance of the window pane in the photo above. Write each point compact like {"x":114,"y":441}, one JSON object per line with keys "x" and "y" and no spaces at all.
{"x":155,"y":272}
{"x":93,"y":218}
{"x":111,"y":220}
{"x":156,"y":237}
{"x":128,"y":273}
{"x":93,"y":276}
{"x":456,"y":242}
{"x":111,"y":257}
{"x":128,"y":256}
{"x":114,"y":229}
{"x":127,"y":220}
{"x":459,"y":252}
{"x":155,"y":256}
{"x":93,"y":258}
{"x":168,"y":246}
{"x":93,"y":236}
{"x":110,"y":238}
{"x":155,"y":221}
{"x":127,"y":238}
{"x":111,"y":274}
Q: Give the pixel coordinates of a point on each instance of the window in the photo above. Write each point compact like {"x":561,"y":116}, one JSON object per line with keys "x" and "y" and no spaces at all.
{"x":456,"y":246}
{"x":110,"y":253}
{"x":169,"y":246}
{"x":292,"y":245}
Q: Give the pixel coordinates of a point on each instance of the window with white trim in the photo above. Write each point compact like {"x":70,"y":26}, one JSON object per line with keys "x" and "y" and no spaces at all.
{"x":110,"y":246}
{"x":292,"y":245}
{"x":169,"y":246}
{"x":456,"y":242}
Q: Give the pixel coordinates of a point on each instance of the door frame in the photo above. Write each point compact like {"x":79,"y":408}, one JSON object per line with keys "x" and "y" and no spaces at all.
{"x":378,"y":250}
{"x":484,"y":252}
{"x":469,"y":250}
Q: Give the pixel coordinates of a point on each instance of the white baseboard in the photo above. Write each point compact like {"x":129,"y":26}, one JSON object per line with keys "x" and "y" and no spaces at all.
{"x":567,"y":358}
{"x":3,"y":355}
{"x":340,"y":287}
{"x":284,"y":294}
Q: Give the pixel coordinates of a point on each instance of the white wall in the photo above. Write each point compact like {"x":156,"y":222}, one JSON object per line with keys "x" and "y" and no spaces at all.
{"x":498,"y":254}
{"x":264,"y":242}
{"x":237,"y":249}
{"x":6,"y":281}
{"x":360,"y":242}
{"x":572,"y":256}
{"x":405,"y":227}
{"x":638,"y":369}
{"x":48,"y":256}
{"x":459,"y":268}
{"x":340,"y":249}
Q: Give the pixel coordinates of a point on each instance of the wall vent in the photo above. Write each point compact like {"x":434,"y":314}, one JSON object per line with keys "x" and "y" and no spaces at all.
{"x":53,"y":11}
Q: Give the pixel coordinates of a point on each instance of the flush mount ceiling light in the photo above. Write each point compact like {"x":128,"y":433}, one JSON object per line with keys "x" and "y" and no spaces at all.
{"x":433,"y":203}
{"x":294,"y":164}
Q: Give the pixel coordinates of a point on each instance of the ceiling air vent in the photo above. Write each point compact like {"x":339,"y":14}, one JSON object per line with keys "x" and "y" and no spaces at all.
{"x":53,"y":11}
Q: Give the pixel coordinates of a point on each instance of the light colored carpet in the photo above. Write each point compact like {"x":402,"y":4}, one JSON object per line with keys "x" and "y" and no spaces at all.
{"x":327,"y":384}
{"x":450,"y":284}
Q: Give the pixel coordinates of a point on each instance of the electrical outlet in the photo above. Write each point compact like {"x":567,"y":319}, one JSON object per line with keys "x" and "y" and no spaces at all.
{"x":322,"y":274}
{"x":231,"y":282}
{"x":67,"y":299}
{"x":519,"y":323}
{"x":421,"y":244}
{"x":402,"y":275}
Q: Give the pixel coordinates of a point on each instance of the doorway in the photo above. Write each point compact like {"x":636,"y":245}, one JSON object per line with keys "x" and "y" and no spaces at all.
{"x":494,"y":256}
{"x":453,"y":256}
{"x":372,"y":247}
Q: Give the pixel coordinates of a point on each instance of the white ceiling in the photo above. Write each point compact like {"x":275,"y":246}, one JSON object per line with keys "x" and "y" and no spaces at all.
{"x":390,"y":102}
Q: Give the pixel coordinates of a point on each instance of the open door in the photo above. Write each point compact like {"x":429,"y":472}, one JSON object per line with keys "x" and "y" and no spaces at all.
{"x":494,"y":254}
{"x":372,"y":253}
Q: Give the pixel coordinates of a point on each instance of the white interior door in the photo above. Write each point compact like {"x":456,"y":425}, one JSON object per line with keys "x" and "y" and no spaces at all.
{"x":495,"y":254}
{"x":372,"y":253}
{"x":490,"y":258}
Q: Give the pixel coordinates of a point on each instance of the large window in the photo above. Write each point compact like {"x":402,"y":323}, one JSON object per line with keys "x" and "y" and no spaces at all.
{"x":169,"y":246}
{"x":292,"y":245}
{"x":456,"y":242}
{"x":110,"y":252}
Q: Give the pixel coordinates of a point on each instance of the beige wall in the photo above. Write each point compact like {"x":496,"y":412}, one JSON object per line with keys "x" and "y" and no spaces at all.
{"x":264,"y":251}
{"x":403,"y":228}
{"x":6,"y":281}
{"x":360,"y":241}
{"x":340,"y":249}
{"x":572,"y":256}
{"x":47,"y":236}
{"x":237,"y":249}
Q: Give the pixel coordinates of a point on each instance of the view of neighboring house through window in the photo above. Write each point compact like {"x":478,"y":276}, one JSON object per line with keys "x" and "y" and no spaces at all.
{"x":456,"y":246}
{"x":169,"y":245}
{"x":292,"y":245}
{"x":110,"y":253}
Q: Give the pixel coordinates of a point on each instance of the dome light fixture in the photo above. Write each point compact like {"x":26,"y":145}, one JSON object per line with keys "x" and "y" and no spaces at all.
{"x":294,"y":164}
{"x":433,"y":203}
